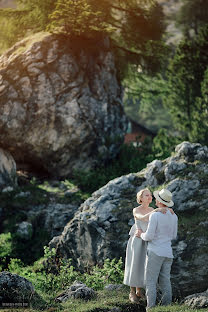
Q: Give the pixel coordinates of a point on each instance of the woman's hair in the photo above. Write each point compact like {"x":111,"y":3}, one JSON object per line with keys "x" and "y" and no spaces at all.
{"x":140,"y":193}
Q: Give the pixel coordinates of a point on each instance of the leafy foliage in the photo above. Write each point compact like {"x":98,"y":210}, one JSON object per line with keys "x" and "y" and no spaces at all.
{"x":130,"y":159}
{"x":48,"y":282}
{"x":10,"y":27}
{"x":186,"y":72}
{"x":36,"y":16}
{"x":192,"y":16}
{"x":143,"y":99}
{"x":164,"y":144}
{"x":76,"y":18}
{"x":93,"y":19}
{"x":5,"y":248}
{"x":200,"y":122}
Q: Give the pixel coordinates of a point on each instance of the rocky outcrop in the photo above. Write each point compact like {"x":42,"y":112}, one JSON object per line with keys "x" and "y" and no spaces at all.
{"x":100,"y":227}
{"x":52,"y":217}
{"x":34,"y":216}
{"x":8,"y":175}
{"x":60,"y":103}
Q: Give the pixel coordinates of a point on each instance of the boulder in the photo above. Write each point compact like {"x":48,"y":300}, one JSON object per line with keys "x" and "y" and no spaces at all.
{"x":199,"y":300}
{"x":100,"y":227}
{"x":8,"y":176}
{"x":51,"y":217}
{"x":60,"y":103}
{"x":15,"y":289}
{"x":77,"y":290}
{"x":25,"y":230}
{"x":112,"y":287}
{"x":17,"y":292}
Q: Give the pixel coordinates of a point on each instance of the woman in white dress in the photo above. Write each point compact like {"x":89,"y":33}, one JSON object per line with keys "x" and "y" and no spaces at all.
{"x":136,"y":247}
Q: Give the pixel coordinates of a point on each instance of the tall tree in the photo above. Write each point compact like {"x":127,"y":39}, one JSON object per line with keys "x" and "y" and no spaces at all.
{"x":76,"y":18}
{"x":192,"y":15}
{"x":200,"y":123}
{"x":135,"y":26}
{"x":186,"y":73}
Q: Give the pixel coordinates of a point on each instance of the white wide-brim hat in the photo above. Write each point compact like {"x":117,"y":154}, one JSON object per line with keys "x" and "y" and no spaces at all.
{"x":164,"y":196}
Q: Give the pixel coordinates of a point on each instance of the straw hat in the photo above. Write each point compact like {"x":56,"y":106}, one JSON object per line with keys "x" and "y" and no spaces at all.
{"x":164,"y":196}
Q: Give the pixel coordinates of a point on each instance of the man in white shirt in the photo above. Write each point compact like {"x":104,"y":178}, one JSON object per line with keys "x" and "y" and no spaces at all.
{"x":162,"y":228}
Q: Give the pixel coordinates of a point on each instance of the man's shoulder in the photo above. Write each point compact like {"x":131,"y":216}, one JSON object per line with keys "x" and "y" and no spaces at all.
{"x":154,"y":215}
{"x":175,"y":216}
{"x":158,"y":214}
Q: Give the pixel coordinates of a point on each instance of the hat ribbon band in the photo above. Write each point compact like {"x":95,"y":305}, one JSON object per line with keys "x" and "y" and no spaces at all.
{"x":167,"y":201}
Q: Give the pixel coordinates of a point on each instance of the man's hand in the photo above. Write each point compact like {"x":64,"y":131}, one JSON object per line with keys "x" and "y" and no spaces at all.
{"x":138,"y":233}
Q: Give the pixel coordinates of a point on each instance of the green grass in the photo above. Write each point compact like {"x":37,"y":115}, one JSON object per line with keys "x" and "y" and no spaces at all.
{"x":30,"y":40}
{"x":105,"y":301}
{"x":37,"y":193}
{"x":177,"y":308}
{"x":59,"y":192}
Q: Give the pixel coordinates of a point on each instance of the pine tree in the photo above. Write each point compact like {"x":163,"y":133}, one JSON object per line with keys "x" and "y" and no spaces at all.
{"x":75,"y":18}
{"x":192,"y":16}
{"x":135,"y":27}
{"x":200,"y":122}
{"x":186,"y":73}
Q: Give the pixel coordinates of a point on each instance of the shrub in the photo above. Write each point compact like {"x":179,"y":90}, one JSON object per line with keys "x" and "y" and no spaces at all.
{"x":130,"y":159}
{"x":5,"y":249}
{"x":52,"y":283}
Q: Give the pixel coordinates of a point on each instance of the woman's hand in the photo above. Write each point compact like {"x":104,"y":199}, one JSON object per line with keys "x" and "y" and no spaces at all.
{"x":163,"y":210}
{"x":138,"y":233}
{"x":171,"y":210}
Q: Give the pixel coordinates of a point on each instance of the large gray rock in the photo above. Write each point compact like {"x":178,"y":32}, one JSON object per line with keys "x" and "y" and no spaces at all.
{"x":99,"y":229}
{"x":8,"y":175}
{"x":52,"y":217}
{"x":17,"y":292}
{"x":77,"y":290}
{"x":199,"y":300}
{"x":15,"y":289}
{"x":60,"y":104}
{"x":24,"y":230}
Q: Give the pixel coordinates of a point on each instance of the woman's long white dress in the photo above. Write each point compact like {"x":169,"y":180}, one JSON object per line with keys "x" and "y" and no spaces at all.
{"x":135,"y":257}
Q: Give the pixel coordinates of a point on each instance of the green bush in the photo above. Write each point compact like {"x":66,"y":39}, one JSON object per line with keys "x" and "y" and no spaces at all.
{"x":130,"y":159}
{"x":110,"y":273}
{"x":5,"y":249}
{"x":164,"y":144}
{"x":5,"y":244}
{"x":47,"y":282}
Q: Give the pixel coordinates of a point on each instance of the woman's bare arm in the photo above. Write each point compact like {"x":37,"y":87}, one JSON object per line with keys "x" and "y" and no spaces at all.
{"x":145,"y":217}
{"x":139,"y":216}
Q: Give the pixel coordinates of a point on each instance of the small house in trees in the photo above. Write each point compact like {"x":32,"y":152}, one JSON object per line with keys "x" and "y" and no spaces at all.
{"x":137,"y":133}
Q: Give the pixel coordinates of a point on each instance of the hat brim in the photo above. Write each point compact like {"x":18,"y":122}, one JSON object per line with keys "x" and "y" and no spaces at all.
{"x":168,"y":204}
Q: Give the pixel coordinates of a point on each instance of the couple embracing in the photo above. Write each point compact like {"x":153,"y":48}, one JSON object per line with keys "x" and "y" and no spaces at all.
{"x":149,"y":253}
